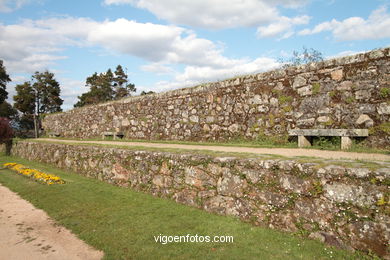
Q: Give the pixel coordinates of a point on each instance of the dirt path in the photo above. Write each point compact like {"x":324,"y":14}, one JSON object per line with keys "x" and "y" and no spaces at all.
{"x":275,"y":151}
{"x":29,"y":233}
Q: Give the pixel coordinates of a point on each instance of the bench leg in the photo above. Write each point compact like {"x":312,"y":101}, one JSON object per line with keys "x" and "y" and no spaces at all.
{"x":114,"y":136}
{"x":346,"y":142}
{"x":303,"y":141}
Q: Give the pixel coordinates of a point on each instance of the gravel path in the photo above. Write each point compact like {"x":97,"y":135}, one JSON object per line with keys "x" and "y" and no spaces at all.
{"x":29,"y":233}
{"x":275,"y":151}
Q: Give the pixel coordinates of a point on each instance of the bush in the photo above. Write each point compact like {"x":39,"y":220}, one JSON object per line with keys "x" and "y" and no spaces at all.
{"x":6,"y":134}
{"x":384,"y":92}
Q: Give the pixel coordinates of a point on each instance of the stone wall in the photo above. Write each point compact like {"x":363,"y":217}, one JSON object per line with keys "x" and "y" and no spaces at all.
{"x":345,"y":207}
{"x":349,"y":92}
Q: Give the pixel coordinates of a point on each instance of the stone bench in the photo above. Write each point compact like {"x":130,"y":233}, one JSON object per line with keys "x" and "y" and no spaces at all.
{"x":304,"y":135}
{"x":113,"y":134}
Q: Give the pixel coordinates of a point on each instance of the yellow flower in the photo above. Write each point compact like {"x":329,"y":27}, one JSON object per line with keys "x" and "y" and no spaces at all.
{"x":35,"y":174}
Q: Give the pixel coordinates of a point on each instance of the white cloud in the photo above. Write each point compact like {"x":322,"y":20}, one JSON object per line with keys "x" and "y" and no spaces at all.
{"x":26,"y":47}
{"x":158,"y":68}
{"x":70,"y":90}
{"x":343,"y":54}
{"x":11,"y":5}
{"x":214,"y":14}
{"x":193,"y":75}
{"x":283,"y":27}
{"x":34,"y":45}
{"x":149,"y":41}
{"x":377,"y":26}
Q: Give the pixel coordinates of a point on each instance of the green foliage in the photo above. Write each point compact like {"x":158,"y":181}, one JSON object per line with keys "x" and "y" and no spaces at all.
{"x":316,"y":87}
{"x":323,"y":142}
{"x":287,"y":109}
{"x":6,"y":110}
{"x":4,"y":79}
{"x":143,"y":93}
{"x":122,"y":88}
{"x":39,"y":96}
{"x":317,"y":189}
{"x":42,"y":95}
{"x":47,"y":93}
{"x":105,"y":87}
{"x":350,"y":100}
{"x":382,"y":202}
{"x":332,"y":93}
{"x":384,"y":92}
{"x":24,"y":100}
{"x":382,"y":129}
{"x":285,"y":99}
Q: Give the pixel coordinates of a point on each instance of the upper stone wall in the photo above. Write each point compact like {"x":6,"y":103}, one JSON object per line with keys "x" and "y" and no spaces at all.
{"x":348,"y":92}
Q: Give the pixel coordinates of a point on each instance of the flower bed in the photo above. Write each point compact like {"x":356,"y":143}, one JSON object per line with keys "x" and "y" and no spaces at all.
{"x":34,"y":174}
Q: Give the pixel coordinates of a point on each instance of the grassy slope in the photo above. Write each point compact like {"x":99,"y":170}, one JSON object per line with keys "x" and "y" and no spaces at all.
{"x":122,"y":222}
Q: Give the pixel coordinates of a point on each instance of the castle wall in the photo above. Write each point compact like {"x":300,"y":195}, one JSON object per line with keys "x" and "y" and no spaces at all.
{"x":348,"y":92}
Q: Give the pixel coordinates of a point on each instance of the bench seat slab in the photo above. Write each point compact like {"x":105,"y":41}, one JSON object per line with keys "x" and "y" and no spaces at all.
{"x":329,"y":132}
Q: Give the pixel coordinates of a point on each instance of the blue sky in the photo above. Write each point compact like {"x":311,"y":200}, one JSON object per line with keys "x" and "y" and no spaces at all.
{"x":169,"y":44}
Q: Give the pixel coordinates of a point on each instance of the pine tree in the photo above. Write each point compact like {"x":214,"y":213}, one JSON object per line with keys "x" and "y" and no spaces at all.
{"x":4,"y":79}
{"x":122,"y":87}
{"x":106,"y":87}
{"x":40,"y":96}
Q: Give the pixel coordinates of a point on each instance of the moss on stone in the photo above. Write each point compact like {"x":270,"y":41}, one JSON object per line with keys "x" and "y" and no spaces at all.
{"x":316,"y":87}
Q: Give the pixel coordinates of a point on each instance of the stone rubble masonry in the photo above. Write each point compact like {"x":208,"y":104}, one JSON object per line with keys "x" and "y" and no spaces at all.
{"x":344,"y":207}
{"x":349,"y":92}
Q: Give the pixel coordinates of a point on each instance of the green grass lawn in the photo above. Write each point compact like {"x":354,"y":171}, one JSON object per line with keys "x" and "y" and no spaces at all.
{"x":123,"y":223}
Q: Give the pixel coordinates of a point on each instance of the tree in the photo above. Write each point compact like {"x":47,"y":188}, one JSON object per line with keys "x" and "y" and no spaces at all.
{"x":4,"y":79}
{"x":100,"y":89}
{"x":36,"y":97}
{"x":24,"y":100}
{"x":106,"y":87}
{"x":122,"y":87}
{"x":147,"y":92}
{"x":6,"y":109}
{"x":47,"y":93}
{"x":306,"y":56}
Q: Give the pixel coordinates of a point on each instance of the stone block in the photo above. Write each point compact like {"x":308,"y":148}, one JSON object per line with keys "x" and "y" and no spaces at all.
{"x":303,"y":141}
{"x":328,"y":132}
{"x":362,"y":94}
{"x":337,"y":75}
{"x":346,"y":142}
{"x":323,"y":119}
{"x":384,"y":109}
{"x":299,"y":81}
{"x":365,"y":119}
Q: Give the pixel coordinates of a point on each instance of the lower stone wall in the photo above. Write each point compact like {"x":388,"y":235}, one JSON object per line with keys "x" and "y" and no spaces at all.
{"x":345,"y":207}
